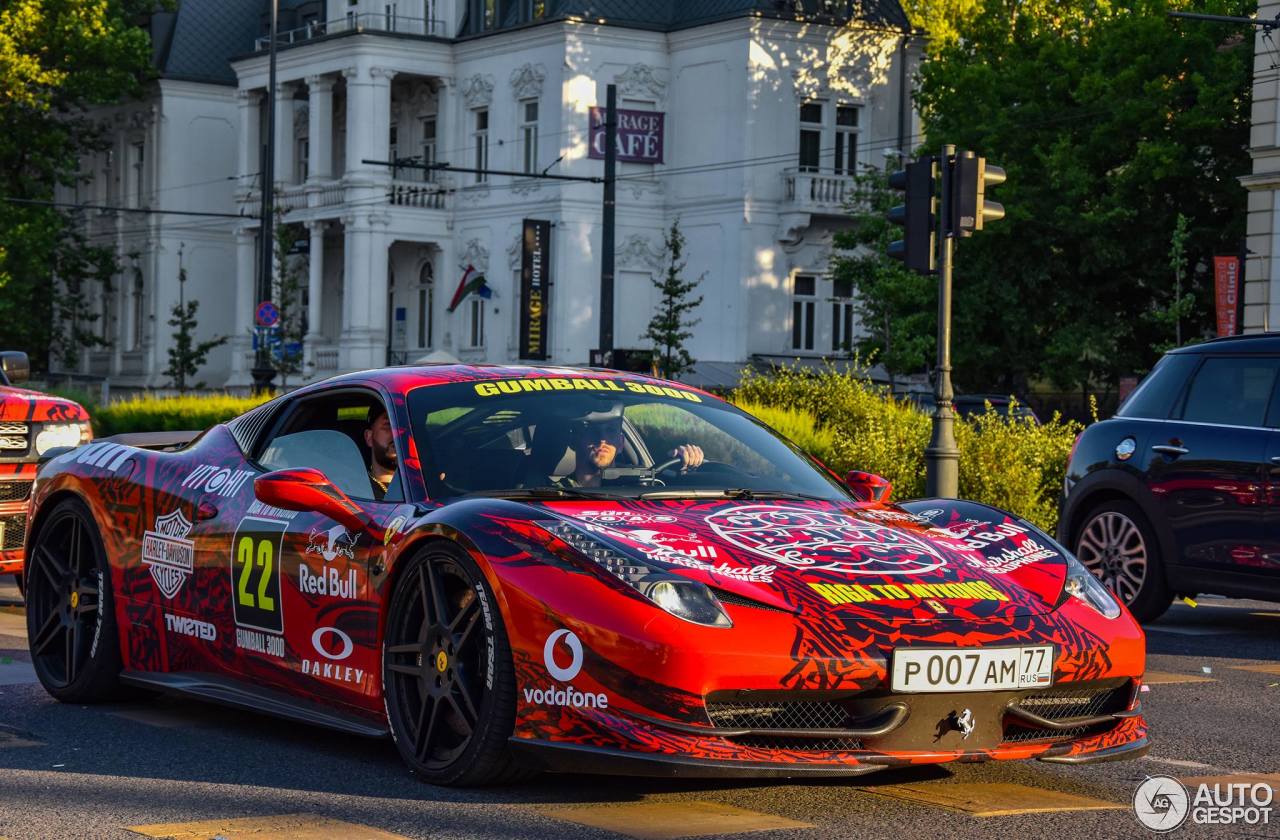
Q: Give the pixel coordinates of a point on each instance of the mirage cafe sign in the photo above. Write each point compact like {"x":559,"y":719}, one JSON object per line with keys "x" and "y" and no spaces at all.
{"x":639,"y":135}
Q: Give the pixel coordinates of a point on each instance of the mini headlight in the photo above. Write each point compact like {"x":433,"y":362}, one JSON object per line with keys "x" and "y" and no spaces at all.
{"x":683,"y":598}
{"x":54,"y":435}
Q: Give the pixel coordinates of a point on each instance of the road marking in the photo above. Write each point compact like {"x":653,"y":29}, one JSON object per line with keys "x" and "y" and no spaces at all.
{"x":668,"y":820}
{"x":1260,"y":669}
{"x":293,"y":826}
{"x":13,"y":624}
{"x":1169,"y":678}
{"x":1266,"y":614}
{"x":17,"y":673}
{"x":1191,"y":630}
{"x":163,"y":718}
{"x":993,"y":799}
{"x":1177,"y":762}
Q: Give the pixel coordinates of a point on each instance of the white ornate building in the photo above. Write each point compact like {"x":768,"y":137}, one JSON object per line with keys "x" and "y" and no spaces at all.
{"x":768,"y":108}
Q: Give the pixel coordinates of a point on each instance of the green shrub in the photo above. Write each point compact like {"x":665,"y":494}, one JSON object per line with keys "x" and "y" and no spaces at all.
{"x":1011,"y":463}
{"x":169,"y":414}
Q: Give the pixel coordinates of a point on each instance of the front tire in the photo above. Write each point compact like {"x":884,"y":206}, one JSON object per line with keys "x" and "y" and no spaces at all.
{"x":447,"y":675}
{"x":1117,"y":543}
{"x":71,"y":623}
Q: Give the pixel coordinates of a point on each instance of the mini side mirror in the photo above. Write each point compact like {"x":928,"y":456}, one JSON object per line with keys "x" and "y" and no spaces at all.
{"x":307,"y":489}
{"x":868,"y":487}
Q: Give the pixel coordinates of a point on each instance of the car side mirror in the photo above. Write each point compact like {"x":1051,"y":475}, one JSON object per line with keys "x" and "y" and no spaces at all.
{"x":15,"y":366}
{"x":309,"y":490}
{"x":868,"y":487}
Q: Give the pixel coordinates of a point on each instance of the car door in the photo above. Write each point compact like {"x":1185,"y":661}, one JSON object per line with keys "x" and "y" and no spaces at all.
{"x":302,"y":598}
{"x":1206,"y":464}
{"x":1267,"y":566}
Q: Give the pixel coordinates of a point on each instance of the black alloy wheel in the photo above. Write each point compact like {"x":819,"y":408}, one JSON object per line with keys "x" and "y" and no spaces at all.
{"x":70,"y":624}
{"x":448,"y":679}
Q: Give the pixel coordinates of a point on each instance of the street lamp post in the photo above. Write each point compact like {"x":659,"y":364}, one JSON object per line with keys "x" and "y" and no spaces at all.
{"x":264,"y":372}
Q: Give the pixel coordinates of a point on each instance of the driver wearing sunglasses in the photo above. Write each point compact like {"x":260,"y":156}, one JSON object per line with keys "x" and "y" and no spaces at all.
{"x":596,"y":440}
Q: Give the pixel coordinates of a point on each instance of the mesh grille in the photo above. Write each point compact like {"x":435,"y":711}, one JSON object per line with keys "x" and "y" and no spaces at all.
{"x":740,"y":601}
{"x":14,"y":491}
{"x":14,"y":530}
{"x":800,"y":714}
{"x":13,"y":428}
{"x":772,"y":742}
{"x":1063,"y":702}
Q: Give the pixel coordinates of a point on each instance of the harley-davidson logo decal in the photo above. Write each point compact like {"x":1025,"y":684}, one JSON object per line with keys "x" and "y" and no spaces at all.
{"x":169,"y":553}
{"x":827,"y":540}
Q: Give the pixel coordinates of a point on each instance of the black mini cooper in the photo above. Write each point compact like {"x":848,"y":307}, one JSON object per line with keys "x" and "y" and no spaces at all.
{"x":1179,"y":493}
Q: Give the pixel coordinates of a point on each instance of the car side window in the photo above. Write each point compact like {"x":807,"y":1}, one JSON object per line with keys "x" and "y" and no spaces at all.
{"x":329,"y":433}
{"x":1231,"y":390}
{"x":1156,"y":394}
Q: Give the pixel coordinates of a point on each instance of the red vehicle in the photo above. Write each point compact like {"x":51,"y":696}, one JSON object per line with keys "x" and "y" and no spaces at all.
{"x":570,"y":569}
{"x":31,"y":424}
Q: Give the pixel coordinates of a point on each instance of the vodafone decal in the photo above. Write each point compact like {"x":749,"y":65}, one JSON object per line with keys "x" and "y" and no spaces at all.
{"x":564,"y":671}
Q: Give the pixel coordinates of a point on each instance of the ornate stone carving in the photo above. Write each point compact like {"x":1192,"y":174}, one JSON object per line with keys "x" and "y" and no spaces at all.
{"x":514,"y":253}
{"x":637,"y":251}
{"x":478,"y":91}
{"x":640,"y":80}
{"x":475,"y":254}
{"x":526,"y":81}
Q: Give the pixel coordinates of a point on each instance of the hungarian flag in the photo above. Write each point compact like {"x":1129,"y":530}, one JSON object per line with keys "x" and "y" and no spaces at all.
{"x":472,"y":282}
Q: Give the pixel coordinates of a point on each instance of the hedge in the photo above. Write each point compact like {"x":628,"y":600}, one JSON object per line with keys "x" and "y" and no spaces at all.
{"x":1013,"y":463}
{"x":169,"y":414}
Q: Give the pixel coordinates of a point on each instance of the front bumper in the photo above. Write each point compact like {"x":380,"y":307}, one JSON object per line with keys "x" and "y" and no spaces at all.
{"x":15,"y":500}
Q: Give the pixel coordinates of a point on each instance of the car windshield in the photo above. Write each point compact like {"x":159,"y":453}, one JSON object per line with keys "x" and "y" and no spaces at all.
{"x":578,"y":436}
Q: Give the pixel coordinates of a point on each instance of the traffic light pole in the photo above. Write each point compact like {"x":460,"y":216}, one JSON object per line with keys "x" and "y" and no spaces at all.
{"x":942,"y":458}
{"x":264,"y":372}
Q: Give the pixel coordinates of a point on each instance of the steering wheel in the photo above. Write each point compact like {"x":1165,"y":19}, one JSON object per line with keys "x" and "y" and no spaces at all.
{"x":659,"y":469}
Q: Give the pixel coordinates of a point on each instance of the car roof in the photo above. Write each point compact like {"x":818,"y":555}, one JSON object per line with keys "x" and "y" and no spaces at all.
{"x":1264,"y":342}
{"x":403,"y":378}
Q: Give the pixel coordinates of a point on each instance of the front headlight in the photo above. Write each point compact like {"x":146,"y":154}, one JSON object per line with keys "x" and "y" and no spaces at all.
{"x":54,"y":435}
{"x":683,"y":598}
{"x":1080,"y":583}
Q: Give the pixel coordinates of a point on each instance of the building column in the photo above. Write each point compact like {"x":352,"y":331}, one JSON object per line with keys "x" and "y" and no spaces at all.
{"x":315,"y":288}
{"x":364,"y":339}
{"x":320,"y":127}
{"x":284,"y":133}
{"x":248,"y":161}
{"x":242,"y":318}
{"x":368,"y":121}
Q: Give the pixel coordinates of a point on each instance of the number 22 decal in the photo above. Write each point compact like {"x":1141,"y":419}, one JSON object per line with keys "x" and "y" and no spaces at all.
{"x":255,"y":574}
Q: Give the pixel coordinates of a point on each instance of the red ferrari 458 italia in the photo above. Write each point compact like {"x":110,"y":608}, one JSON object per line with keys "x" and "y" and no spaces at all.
{"x":568,"y":569}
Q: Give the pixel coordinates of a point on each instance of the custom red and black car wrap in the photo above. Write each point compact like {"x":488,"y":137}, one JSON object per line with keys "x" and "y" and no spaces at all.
{"x":820,"y":595}
{"x":22,"y":415}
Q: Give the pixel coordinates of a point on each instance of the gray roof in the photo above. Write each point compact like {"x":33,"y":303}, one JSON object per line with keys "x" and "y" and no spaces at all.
{"x":196,"y":42}
{"x":669,"y":15}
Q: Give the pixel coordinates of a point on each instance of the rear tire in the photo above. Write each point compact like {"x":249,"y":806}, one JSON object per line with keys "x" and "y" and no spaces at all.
{"x":1117,"y":543}
{"x":447,"y":675}
{"x":71,"y":624}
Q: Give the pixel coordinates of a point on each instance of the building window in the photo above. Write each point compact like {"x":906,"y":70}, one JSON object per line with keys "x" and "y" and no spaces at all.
{"x":481,"y":138}
{"x":393,"y":150}
{"x":428,"y":147}
{"x":842,"y":316}
{"x":529,"y":134}
{"x":810,"y":136}
{"x":804,"y":289}
{"x":389,"y":11}
{"x":475,"y":307}
{"x":139,"y":158}
{"x":846,"y":162}
{"x":302,"y":160}
{"x":104,"y":312}
{"x":135,"y":342}
{"x":426,"y":305}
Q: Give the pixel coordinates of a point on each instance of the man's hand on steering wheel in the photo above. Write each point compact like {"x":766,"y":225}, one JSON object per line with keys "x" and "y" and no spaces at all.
{"x":690,"y":456}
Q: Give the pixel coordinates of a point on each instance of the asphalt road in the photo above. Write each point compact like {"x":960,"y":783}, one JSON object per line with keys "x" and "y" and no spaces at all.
{"x":75,"y":771}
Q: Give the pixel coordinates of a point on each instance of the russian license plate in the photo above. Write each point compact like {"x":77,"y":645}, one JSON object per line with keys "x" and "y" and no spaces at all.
{"x":972,"y":669}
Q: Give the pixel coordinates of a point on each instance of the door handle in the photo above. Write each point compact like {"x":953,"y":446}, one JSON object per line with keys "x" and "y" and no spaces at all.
{"x":1170,"y":450}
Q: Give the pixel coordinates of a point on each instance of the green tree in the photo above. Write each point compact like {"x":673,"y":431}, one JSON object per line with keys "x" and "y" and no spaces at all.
{"x":897,"y":308}
{"x":1110,"y":119}
{"x":287,"y":289}
{"x":670,"y":326}
{"x":57,"y":58}
{"x":186,"y":355}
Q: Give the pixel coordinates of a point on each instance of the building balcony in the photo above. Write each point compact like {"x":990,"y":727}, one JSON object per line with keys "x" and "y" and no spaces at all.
{"x":373,"y":22}
{"x":817,"y":193}
{"x":426,"y":195}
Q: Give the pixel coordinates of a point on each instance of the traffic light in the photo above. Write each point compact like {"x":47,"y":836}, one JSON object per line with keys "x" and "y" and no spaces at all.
{"x":972,"y":177}
{"x":916,"y":215}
